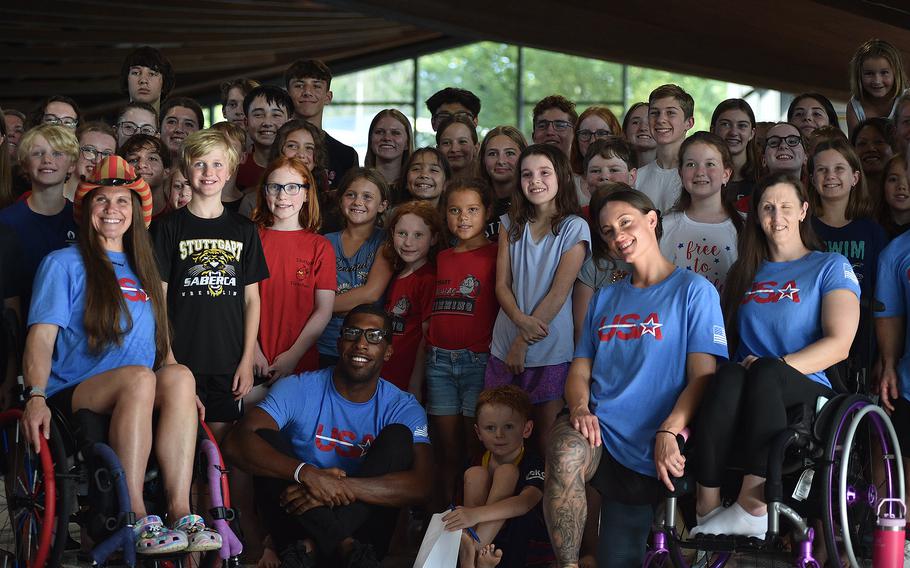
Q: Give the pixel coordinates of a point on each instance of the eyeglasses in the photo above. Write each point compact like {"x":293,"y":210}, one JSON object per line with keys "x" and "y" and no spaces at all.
{"x":558,"y":125}
{"x":91,"y":153}
{"x":55,"y":120}
{"x":462,"y":114}
{"x":373,"y":335}
{"x":130,"y":128}
{"x":274,"y":189}
{"x":774,"y":141}
{"x":586,"y":135}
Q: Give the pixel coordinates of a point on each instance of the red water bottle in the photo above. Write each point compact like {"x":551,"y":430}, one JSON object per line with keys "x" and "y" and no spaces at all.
{"x":888,"y":551}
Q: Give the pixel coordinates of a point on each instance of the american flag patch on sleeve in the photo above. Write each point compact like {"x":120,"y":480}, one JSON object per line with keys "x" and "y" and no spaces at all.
{"x":719,"y":335}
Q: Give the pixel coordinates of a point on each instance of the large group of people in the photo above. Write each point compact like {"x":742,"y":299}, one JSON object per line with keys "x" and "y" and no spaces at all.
{"x":489,"y":327}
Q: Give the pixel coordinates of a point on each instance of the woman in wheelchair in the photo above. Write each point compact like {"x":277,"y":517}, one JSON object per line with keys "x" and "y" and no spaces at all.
{"x":792,"y":312}
{"x":647,"y":349}
{"x":97,"y":328}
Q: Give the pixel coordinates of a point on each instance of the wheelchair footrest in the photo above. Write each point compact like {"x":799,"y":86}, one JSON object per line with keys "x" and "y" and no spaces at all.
{"x":728,"y":543}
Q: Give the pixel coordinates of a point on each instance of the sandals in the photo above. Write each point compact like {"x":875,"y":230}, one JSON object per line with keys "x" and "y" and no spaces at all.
{"x":199,"y":537}
{"x":152,"y":537}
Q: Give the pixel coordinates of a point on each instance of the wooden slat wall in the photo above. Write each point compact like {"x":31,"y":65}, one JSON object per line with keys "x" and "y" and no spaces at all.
{"x":75,"y":47}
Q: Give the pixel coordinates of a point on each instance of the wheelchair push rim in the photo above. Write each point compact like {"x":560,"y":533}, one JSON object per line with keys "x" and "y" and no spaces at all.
{"x":853,"y":489}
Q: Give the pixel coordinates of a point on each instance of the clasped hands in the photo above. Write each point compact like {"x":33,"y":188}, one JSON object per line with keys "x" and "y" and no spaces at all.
{"x":317,"y":488}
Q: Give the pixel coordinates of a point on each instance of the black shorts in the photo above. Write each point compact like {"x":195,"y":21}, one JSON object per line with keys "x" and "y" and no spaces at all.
{"x":215,"y":393}
{"x":62,"y":402}
{"x":900,"y":418}
{"x":618,"y":483}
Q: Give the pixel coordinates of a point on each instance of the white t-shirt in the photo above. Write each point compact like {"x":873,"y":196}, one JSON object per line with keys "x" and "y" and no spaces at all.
{"x":708,"y":249}
{"x":662,"y":186}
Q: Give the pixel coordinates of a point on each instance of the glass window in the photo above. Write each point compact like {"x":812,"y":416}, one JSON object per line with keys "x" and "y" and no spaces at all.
{"x":487,"y":69}
{"x":498,"y":73}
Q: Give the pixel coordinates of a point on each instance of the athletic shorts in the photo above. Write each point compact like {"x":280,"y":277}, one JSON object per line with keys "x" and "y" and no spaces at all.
{"x":215,"y":393}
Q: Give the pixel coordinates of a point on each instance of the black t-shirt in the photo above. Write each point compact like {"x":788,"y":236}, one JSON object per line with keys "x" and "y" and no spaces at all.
{"x":207,"y":263}
{"x":10,"y":263}
{"x":341,"y":159}
{"x":500,"y":208}
{"x":524,"y":540}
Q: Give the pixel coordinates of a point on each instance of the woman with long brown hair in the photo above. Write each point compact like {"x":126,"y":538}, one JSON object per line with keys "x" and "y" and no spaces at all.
{"x":98,"y":340}
{"x":791,"y":312}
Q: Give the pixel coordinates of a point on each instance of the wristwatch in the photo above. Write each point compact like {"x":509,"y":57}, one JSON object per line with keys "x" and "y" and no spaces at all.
{"x":32,"y":392}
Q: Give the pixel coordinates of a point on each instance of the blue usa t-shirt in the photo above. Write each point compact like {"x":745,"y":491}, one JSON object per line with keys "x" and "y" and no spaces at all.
{"x":781,"y":312}
{"x":892,"y":293}
{"x":638,"y":339}
{"x":59,"y":299}
{"x":327,"y":430}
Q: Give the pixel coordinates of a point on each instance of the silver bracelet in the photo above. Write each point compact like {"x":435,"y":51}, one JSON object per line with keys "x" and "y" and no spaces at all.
{"x":297,"y":471}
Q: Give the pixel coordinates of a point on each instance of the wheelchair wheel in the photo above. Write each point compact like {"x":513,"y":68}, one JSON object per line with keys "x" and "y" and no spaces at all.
{"x":852,"y":486}
{"x":34,"y":518}
{"x":211,"y":479}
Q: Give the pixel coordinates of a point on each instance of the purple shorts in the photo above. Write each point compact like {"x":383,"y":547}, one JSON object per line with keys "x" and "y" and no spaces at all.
{"x":542,"y":384}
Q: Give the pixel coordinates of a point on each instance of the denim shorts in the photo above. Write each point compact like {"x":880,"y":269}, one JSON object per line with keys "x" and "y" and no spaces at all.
{"x":454,"y":379}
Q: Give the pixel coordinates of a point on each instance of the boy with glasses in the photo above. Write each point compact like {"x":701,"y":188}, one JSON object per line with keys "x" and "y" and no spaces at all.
{"x":554,"y":119}
{"x":58,"y":110}
{"x":451,"y":102}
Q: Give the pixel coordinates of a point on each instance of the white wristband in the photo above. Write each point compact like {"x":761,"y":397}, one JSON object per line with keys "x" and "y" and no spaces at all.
{"x":297,"y":471}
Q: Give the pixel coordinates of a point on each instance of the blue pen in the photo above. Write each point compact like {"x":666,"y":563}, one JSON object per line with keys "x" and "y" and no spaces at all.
{"x":471,"y":531}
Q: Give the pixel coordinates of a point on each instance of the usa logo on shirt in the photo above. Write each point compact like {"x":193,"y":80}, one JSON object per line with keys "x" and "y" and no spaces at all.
{"x":770,"y":292}
{"x":630,"y":326}
{"x":343,"y":442}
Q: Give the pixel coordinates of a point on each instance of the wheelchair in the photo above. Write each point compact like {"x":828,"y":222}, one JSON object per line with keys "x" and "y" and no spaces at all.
{"x":844,"y":465}
{"x":75,"y":478}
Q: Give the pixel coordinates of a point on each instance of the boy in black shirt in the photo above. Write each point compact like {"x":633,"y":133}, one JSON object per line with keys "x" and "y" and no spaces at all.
{"x":309,"y":83}
{"x":211,"y":261}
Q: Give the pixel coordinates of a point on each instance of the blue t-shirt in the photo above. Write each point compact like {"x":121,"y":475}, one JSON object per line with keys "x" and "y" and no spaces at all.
{"x":327,"y":430}
{"x":892,"y":294}
{"x":38,"y":235}
{"x":534,"y":265}
{"x":638,"y":339}
{"x":59,"y":299}
{"x":781,"y":313}
{"x":352,"y":272}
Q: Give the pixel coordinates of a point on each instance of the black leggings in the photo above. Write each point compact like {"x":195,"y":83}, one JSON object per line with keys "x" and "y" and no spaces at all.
{"x":391,"y":451}
{"x":747,"y":409}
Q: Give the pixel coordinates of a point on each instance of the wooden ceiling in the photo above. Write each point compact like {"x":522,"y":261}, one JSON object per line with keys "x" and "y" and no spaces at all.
{"x":75,"y":47}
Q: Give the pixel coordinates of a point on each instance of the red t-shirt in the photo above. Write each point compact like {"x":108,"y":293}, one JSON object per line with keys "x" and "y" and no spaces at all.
{"x":408,"y":301}
{"x":300,"y":262}
{"x":249,"y":174}
{"x":464,"y":302}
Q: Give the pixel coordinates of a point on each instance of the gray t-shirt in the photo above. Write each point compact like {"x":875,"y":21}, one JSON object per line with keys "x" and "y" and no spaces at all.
{"x":596,"y":274}
{"x":534,"y":266}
